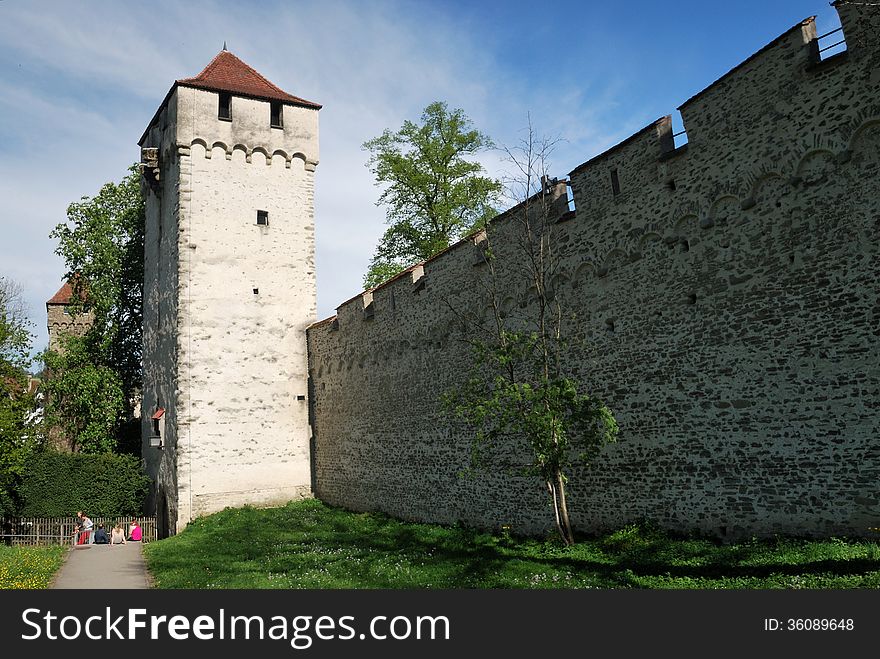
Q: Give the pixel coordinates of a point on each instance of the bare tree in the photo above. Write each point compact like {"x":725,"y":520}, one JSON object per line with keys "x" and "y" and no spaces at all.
{"x":518,"y":387}
{"x":18,"y":434}
{"x":15,"y":336}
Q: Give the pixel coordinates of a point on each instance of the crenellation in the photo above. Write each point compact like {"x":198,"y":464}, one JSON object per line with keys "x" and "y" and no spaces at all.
{"x":229,"y":298}
{"x":719,"y":296}
{"x":860,"y":29}
{"x":722,"y":303}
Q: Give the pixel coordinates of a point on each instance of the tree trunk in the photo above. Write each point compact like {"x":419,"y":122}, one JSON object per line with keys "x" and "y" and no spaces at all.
{"x":560,"y":510}
{"x":563,"y":511}
{"x":552,"y":489}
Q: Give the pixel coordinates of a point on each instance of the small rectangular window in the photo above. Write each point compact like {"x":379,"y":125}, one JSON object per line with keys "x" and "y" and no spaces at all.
{"x":615,"y":183}
{"x":156,"y":428}
{"x":263,"y":218}
{"x":277,"y":120}
{"x":225,"y":110}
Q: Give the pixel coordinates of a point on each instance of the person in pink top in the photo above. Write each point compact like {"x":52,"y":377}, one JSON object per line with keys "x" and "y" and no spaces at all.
{"x":134,"y":532}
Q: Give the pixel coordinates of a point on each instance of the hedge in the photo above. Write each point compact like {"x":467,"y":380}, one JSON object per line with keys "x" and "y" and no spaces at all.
{"x":59,"y":484}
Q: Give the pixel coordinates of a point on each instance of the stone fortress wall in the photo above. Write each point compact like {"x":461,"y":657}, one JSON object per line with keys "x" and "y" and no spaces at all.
{"x":724,"y":304}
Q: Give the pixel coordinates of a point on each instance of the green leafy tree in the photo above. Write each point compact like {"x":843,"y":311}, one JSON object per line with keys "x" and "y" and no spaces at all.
{"x":19,"y":434}
{"x":85,"y":398}
{"x":517,"y":392}
{"x":518,"y":397}
{"x":434,"y":194}
{"x":102,"y":244}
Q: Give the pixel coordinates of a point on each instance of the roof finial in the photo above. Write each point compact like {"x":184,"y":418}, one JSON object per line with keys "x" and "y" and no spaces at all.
{"x":224,"y":44}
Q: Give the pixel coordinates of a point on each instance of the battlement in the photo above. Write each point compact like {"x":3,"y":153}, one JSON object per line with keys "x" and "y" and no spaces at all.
{"x":719,"y":112}
{"x":249,"y":134}
{"x":229,"y":165}
{"x":468,"y":252}
{"x":752,"y":104}
{"x":719,"y":297}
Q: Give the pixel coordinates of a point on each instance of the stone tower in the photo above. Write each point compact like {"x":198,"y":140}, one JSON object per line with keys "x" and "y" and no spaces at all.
{"x":61,"y":321}
{"x":229,"y":288}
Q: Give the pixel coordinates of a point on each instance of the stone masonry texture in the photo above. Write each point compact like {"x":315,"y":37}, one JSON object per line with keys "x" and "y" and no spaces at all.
{"x":724,"y":304}
{"x":227,"y":302}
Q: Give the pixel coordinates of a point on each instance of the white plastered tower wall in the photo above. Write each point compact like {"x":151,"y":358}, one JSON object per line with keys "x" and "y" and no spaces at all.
{"x":227,"y":301}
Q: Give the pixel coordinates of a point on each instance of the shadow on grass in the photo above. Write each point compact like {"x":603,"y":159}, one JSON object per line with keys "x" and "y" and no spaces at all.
{"x":310,"y":545}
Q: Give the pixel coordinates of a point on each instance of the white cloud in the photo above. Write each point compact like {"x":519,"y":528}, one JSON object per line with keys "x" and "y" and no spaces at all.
{"x":85,"y":78}
{"x":106,"y":43}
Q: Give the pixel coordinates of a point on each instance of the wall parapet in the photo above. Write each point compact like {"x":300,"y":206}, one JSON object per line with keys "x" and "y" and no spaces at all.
{"x":414,"y":279}
{"x":721,"y":301}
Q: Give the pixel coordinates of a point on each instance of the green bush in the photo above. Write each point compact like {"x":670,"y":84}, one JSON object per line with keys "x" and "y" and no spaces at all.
{"x":59,"y":484}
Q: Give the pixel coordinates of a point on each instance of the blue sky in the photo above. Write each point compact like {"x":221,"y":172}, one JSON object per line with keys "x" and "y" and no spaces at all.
{"x":80,"y":80}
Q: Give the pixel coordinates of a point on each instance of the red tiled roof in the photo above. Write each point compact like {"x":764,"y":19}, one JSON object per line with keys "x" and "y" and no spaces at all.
{"x":63,"y":295}
{"x":227,"y":73}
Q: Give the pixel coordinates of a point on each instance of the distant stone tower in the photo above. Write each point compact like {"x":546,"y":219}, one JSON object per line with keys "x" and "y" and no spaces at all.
{"x":59,"y":319}
{"x":229,"y":288}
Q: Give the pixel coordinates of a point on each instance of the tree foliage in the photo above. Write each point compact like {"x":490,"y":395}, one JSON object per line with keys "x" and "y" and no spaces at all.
{"x":93,"y":382}
{"x":15,"y":337}
{"x":513,"y":393}
{"x":102,"y":244}
{"x":434,"y":194}
{"x":19,"y":434}
{"x":518,"y":389}
{"x":85,"y":397}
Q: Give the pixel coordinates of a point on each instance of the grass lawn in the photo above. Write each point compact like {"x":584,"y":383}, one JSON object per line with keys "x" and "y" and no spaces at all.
{"x":29,"y":567}
{"x":309,"y":545}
